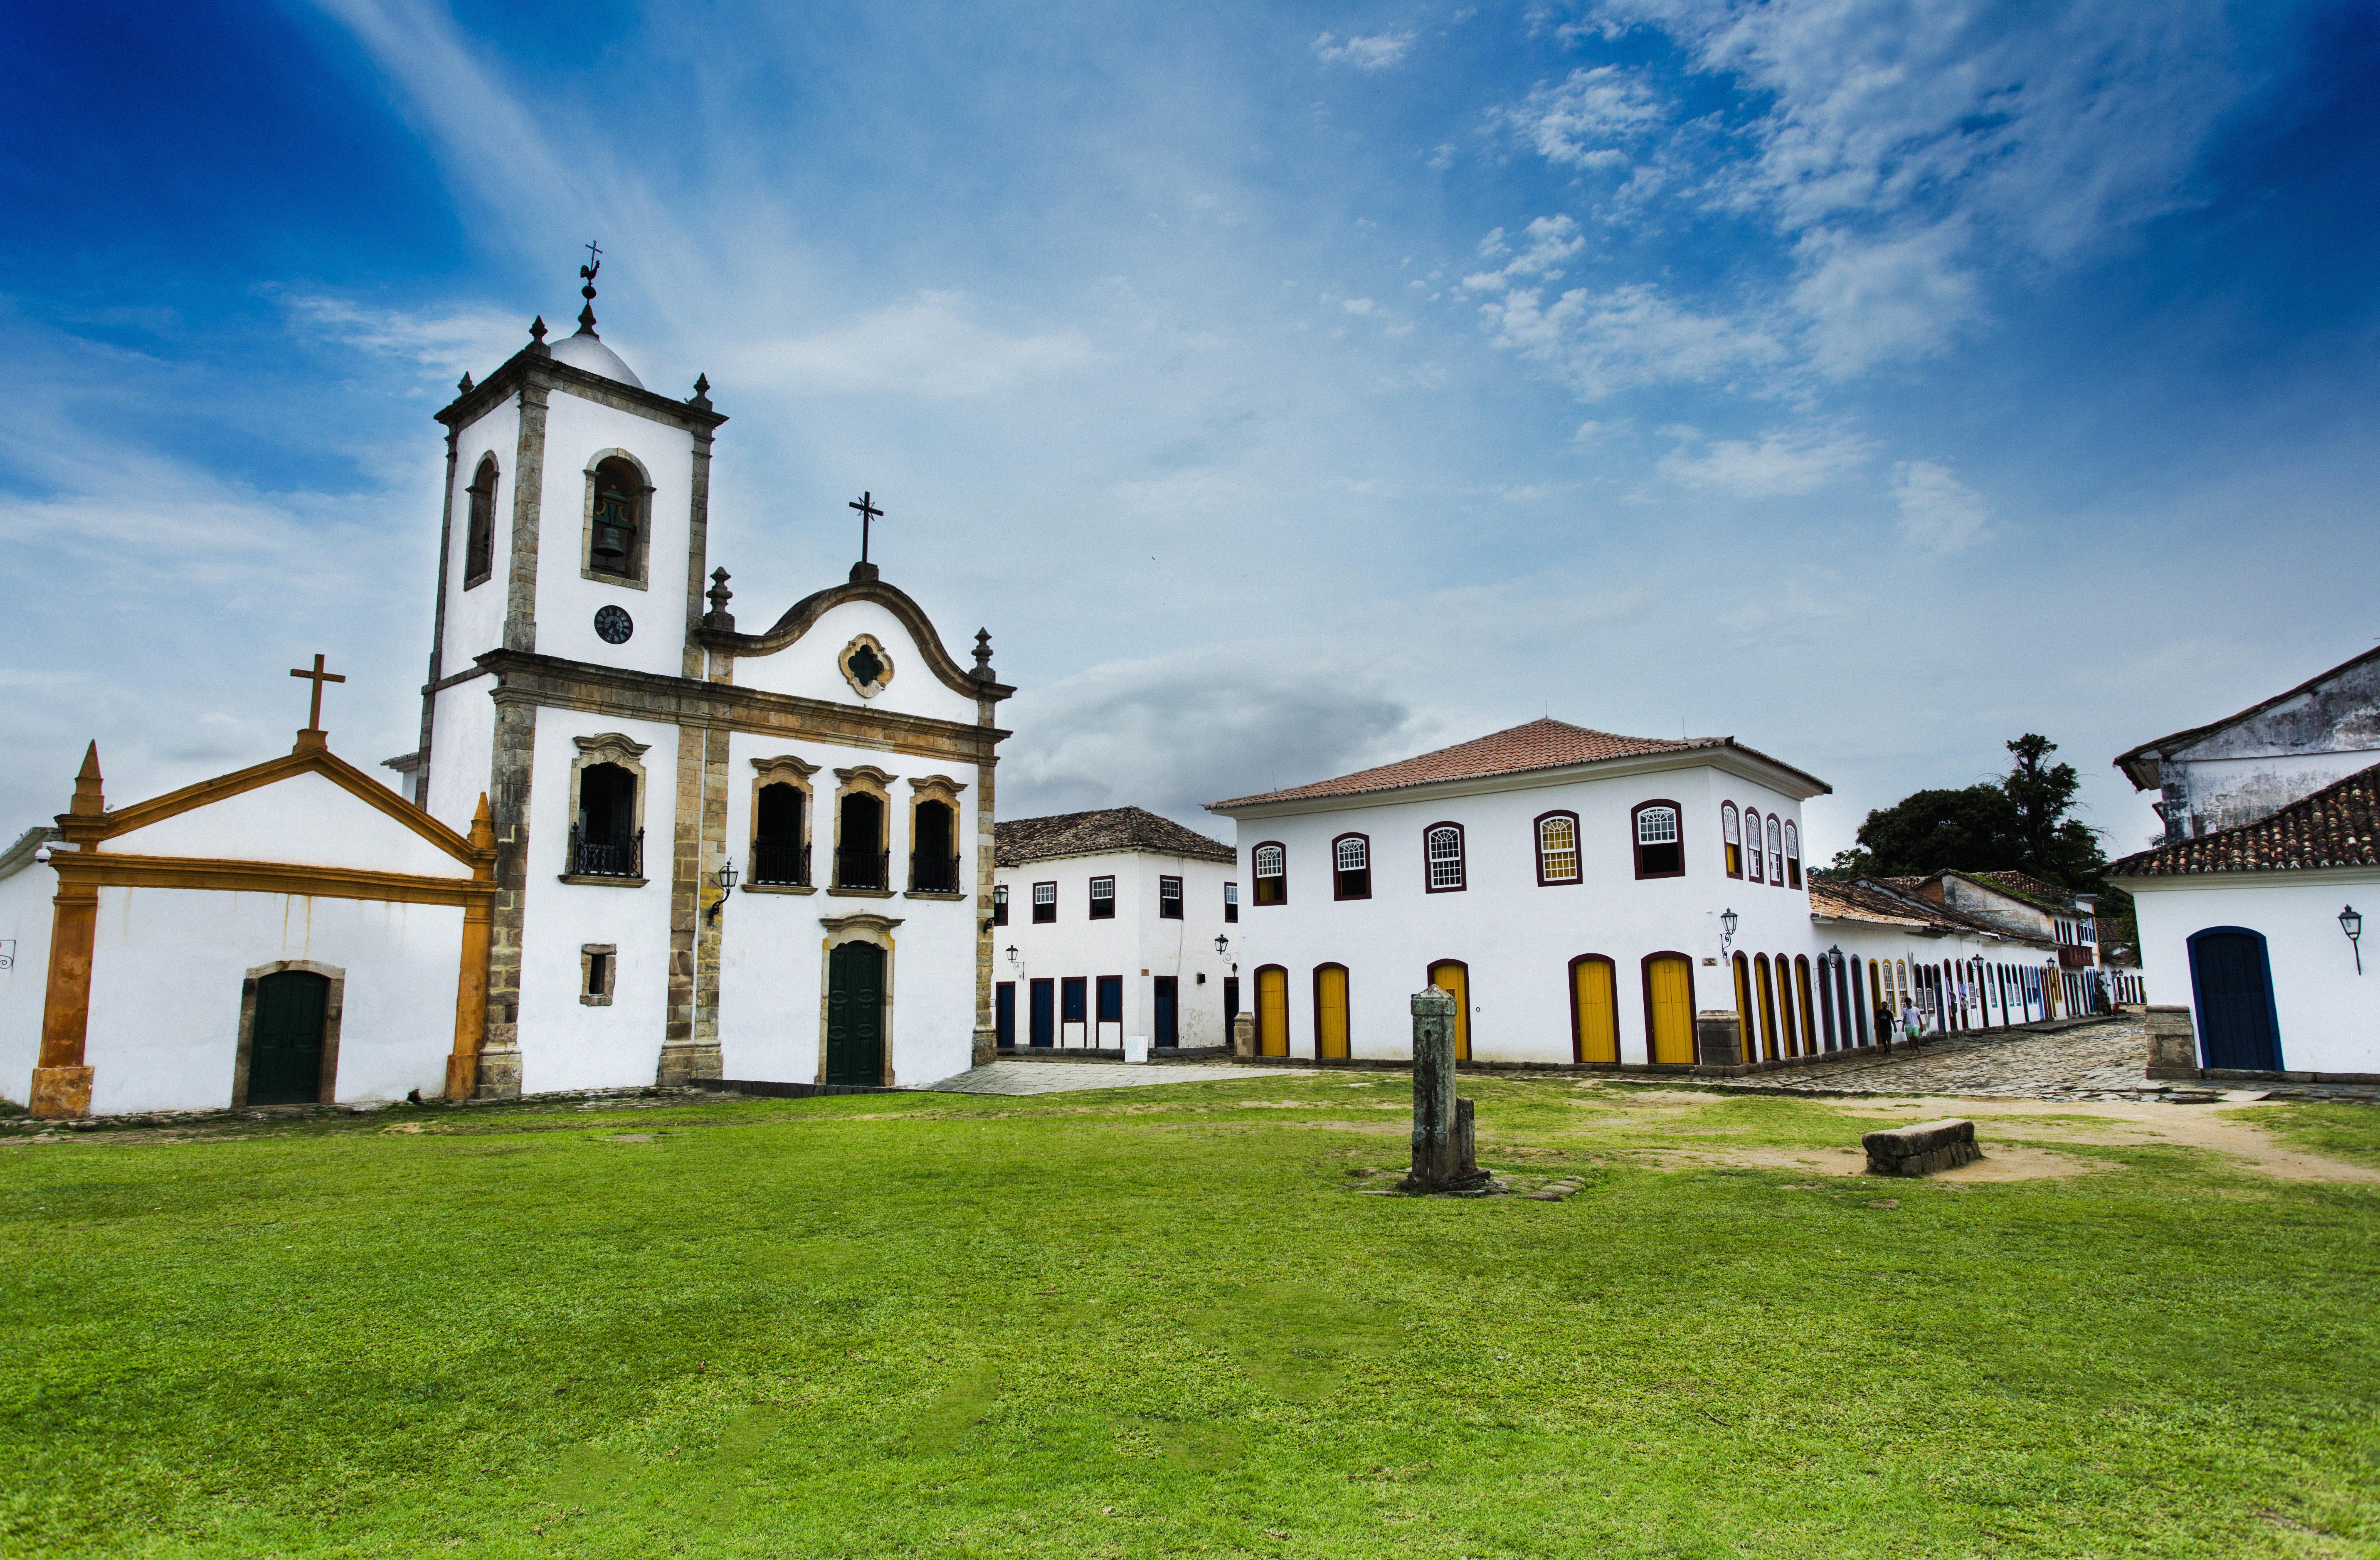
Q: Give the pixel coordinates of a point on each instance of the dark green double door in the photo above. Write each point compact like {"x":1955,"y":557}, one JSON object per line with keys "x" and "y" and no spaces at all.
{"x":284,"y":1052}
{"x":854,"y":1013}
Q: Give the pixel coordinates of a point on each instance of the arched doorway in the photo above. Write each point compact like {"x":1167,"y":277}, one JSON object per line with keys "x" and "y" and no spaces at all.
{"x":2231,"y":982}
{"x":1453,"y":976}
{"x":1593,"y":1010}
{"x":285,"y":1045}
{"x":1272,"y":1011}
{"x":1330,"y":1011}
{"x":1669,"y":1008}
{"x":854,"y":1013}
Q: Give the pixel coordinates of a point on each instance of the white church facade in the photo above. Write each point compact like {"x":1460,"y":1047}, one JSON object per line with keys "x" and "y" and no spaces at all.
{"x":707,"y":853}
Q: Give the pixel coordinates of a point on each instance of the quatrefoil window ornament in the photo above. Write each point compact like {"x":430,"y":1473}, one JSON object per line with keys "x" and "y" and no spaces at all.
{"x":866,"y":665}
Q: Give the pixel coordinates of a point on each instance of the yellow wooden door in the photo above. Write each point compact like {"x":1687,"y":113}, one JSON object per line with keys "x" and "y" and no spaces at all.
{"x":1272,"y":1012}
{"x":1455,"y":979}
{"x":1598,"y":1010}
{"x":1330,"y":1011}
{"x":1670,"y":979}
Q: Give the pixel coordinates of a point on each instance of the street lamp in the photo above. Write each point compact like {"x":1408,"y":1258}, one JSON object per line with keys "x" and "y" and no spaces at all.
{"x":1013,"y":962}
{"x":1222,"y":945}
{"x":725,"y":878}
{"x":2352,"y":924}
{"x":1727,"y":932}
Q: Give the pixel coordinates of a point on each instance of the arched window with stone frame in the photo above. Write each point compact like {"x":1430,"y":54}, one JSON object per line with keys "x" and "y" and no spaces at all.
{"x":1754,"y":861}
{"x":1350,"y":867}
{"x":1660,"y":843}
{"x":1557,"y":856}
{"x":863,"y":825}
{"x":781,"y":807}
{"x":618,"y":530}
{"x":934,"y":836}
{"x":1444,"y":867}
{"x":479,"y":523}
{"x":607,"y":812}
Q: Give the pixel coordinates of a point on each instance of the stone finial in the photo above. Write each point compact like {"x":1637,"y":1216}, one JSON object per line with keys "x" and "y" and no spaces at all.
{"x":587,"y":322}
{"x":537,"y":336}
{"x":719,"y":595}
{"x":983,"y":671}
{"x":463,"y":386}
{"x":483,"y":827}
{"x":89,"y":802}
{"x":701,"y":397}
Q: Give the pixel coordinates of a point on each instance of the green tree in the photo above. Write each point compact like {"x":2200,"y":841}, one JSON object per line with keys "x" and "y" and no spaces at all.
{"x":2020,"y":822}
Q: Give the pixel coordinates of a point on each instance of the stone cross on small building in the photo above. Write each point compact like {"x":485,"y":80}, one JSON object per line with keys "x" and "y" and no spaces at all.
{"x":313,"y":736}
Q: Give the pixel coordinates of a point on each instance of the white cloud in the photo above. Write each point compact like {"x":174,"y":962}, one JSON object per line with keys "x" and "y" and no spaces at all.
{"x":1376,"y":53}
{"x":1872,"y":300}
{"x":1937,"y":511}
{"x":1583,"y":122}
{"x":447,"y":340}
{"x":1778,"y":464}
{"x":923,"y":346}
{"x":1599,"y":343}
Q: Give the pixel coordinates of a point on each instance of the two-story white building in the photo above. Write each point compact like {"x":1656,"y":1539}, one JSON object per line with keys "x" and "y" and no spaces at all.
{"x":1112,"y":925}
{"x":1571,"y":888}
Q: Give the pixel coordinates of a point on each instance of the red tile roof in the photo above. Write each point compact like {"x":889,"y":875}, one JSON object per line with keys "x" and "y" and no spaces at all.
{"x":1015,"y":841}
{"x":2337,"y":826}
{"x":1541,"y":744}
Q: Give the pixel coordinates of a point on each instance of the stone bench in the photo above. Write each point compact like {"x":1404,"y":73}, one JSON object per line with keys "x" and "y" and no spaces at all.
{"x":1921,"y":1150}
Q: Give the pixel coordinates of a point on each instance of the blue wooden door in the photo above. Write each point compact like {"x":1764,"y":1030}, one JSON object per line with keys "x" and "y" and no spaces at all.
{"x":1165,"y":1030}
{"x":2232,"y":980}
{"x":1045,"y":1013}
{"x":1005,"y":1017}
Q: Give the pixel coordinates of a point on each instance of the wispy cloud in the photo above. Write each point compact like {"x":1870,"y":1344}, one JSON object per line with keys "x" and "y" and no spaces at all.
{"x":1378,"y":52}
{"x":1599,"y":342}
{"x":1591,"y":119}
{"x":930,"y":345}
{"x":1780,"y":463}
{"x":1938,"y":512}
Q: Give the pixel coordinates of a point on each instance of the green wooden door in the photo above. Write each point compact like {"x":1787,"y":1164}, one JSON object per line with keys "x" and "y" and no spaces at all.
{"x":854,"y":1013}
{"x":285,"y":1053}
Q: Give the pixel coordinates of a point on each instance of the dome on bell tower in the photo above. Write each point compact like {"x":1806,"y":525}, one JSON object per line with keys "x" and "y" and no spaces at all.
{"x":586,"y":351}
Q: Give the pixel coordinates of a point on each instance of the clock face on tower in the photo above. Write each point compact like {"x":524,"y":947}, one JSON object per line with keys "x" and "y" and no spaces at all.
{"x":613,"y":624}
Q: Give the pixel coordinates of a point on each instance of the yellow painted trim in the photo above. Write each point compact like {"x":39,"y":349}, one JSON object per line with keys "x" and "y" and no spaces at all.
{"x":306,"y":760}
{"x":110,"y":869}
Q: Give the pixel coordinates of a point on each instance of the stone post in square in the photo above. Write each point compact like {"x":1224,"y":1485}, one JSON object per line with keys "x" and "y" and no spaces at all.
{"x":1444,"y":1156}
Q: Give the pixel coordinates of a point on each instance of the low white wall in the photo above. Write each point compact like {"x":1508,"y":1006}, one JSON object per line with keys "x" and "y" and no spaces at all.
{"x":167,"y":967}
{"x":25,"y":895}
{"x":2329,"y":1016}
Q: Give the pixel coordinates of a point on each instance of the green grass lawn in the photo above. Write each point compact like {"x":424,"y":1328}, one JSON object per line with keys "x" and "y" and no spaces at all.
{"x":1162,"y":1321}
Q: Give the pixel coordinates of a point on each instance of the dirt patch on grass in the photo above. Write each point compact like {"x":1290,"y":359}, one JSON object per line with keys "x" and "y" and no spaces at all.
{"x":2135,"y":1124}
{"x":2004,"y":1163}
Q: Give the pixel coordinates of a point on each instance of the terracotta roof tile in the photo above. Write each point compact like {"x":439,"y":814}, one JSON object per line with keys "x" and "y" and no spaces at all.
{"x":1541,"y":744}
{"x":1895,"y":902}
{"x":2337,"y":826}
{"x":1018,"y":840}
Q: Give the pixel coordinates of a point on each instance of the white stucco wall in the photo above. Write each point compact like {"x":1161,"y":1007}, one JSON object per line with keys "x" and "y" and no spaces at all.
{"x":1138,"y":944}
{"x":475,"y":618}
{"x":1517,"y":938}
{"x":304,"y":819}
{"x":2329,"y":1016}
{"x":806,"y":667}
{"x":167,"y":967}
{"x":462,"y":751}
{"x":576,"y":433}
{"x":773,"y":959}
{"x":25,"y":895}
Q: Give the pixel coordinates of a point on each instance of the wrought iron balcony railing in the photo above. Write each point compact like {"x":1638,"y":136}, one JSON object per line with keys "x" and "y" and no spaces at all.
{"x":933,"y":875}
{"x":780,"y":863}
{"x":607,"y":857}
{"x":861,"y":868}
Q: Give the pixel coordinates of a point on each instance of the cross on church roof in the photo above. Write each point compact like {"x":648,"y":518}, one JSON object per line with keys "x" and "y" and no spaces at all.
{"x":312,"y":736}
{"x":866,"y":505}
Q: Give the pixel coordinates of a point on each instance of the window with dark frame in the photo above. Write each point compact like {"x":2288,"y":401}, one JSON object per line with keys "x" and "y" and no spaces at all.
{"x":1792,"y":855}
{"x":1045,"y":903}
{"x":777,"y":853}
{"x":1272,"y":874}
{"x":1558,"y":859}
{"x":1230,"y":901}
{"x":1775,"y":852}
{"x":1169,"y":898}
{"x":480,"y":527}
{"x":1752,"y":856}
{"x":599,"y":965}
{"x":612,"y":543}
{"x":1661,"y":852}
{"x":1442,"y":857}
{"x":1350,"y":867}
{"x":1103,"y":898}
{"x":1000,"y":904}
{"x":1731,"y":831}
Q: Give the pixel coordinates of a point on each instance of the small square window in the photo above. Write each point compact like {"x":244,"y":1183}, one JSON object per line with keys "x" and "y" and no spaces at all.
{"x":1169,"y":898}
{"x":1230,"y":901}
{"x":1045,"y":903}
{"x":599,"y":969}
{"x":1103,"y":898}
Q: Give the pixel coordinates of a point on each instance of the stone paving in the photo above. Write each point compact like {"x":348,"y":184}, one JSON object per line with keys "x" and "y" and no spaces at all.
{"x":1061,"y":1078}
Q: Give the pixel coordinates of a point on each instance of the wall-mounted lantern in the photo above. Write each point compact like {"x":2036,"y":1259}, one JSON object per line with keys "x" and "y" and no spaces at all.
{"x":1727,"y":932}
{"x":2352,"y":924}
{"x":1013,"y":961}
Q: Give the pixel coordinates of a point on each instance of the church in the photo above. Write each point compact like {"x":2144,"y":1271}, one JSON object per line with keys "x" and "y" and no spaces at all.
{"x":635,"y":844}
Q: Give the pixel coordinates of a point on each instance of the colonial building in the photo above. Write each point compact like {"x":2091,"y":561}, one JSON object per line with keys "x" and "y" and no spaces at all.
{"x":2024,"y":907}
{"x":1576,"y":891}
{"x":2246,"y":766}
{"x":1113,"y":925}
{"x":698,"y":851}
{"x":2257,"y":930}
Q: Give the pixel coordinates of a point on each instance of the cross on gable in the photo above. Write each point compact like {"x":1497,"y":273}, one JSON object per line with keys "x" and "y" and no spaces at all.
{"x":314,"y":711}
{"x":866,"y":505}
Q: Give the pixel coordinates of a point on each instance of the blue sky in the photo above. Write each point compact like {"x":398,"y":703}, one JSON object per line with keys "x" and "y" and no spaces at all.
{"x":1287,"y":388}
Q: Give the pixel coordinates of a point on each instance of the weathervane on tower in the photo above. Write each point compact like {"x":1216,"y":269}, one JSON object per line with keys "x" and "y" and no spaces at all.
{"x":587,"y":289}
